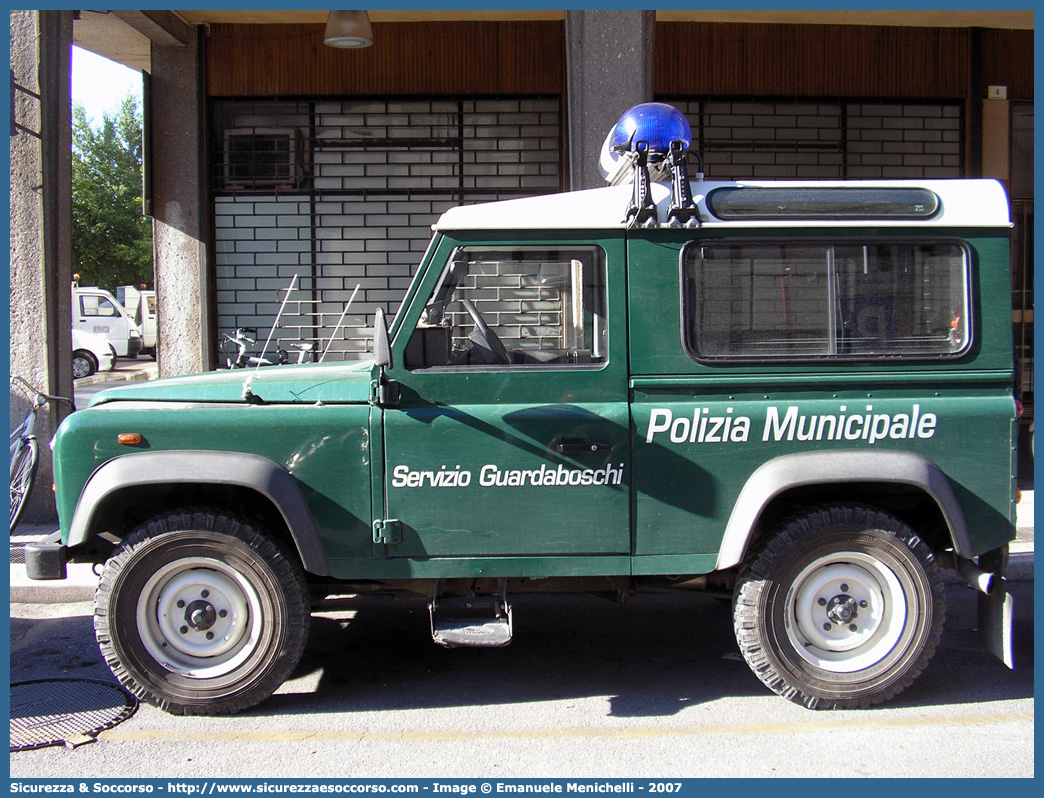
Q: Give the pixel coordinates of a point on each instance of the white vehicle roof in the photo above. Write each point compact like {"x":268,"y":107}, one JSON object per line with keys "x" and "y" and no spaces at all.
{"x":962,"y":203}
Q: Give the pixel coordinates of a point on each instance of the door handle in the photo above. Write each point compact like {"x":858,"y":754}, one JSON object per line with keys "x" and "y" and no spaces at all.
{"x":578,"y":448}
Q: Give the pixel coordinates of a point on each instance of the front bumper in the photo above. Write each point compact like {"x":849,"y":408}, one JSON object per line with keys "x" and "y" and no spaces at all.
{"x":46,"y":559}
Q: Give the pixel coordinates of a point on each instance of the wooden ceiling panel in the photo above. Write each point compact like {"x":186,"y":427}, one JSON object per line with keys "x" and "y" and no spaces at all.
{"x":525,"y":57}
{"x":811,"y":61}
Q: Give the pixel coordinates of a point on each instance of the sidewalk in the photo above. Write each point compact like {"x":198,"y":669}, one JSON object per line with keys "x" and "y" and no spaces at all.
{"x":126,"y":370}
{"x":1024,"y":524}
{"x":81,"y":581}
{"x":79,"y":586}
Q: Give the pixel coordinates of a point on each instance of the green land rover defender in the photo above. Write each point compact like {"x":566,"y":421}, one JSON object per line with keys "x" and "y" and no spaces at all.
{"x":795,"y":394}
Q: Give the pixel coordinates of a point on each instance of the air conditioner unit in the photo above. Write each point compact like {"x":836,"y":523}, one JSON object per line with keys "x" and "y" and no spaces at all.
{"x":255,"y":157}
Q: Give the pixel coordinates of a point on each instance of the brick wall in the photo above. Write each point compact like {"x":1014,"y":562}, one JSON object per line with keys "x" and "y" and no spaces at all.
{"x":370,"y":179}
{"x":511,"y":297}
{"x":825,"y":140}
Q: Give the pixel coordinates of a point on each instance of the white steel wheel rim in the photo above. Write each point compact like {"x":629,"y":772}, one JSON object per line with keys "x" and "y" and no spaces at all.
{"x":199,"y":618}
{"x":845,"y":612}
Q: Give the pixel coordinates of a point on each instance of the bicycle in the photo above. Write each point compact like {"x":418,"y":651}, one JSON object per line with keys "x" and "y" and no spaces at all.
{"x":242,"y":358}
{"x":25,"y":451}
{"x":304,"y":351}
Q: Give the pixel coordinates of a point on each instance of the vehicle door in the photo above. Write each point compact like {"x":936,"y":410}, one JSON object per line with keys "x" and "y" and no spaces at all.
{"x":509,"y":435}
{"x":95,"y":312}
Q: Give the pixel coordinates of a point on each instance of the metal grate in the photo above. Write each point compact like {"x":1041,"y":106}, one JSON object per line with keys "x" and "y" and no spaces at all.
{"x":1022,"y":296}
{"x":1021,"y":188}
{"x":342,"y":193}
{"x":824,"y":140}
{"x":69,"y":712}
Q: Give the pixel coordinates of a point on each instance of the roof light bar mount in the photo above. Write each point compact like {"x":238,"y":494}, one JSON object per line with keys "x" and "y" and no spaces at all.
{"x":642,"y":210}
{"x":651,"y":142}
{"x":682,"y":211}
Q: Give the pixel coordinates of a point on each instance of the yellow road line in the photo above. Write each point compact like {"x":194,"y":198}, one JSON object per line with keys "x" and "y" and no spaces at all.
{"x":847,"y":724}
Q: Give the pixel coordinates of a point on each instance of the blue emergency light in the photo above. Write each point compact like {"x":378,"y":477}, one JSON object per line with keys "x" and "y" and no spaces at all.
{"x":652,"y":125}
{"x":651,"y":137}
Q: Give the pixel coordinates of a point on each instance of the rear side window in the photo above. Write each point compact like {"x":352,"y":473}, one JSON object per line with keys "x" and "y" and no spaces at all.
{"x":756,"y":300}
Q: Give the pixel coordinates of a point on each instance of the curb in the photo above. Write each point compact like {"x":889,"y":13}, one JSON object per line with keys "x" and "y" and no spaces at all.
{"x":79,"y":586}
{"x":149,"y":372}
{"x":82,"y":582}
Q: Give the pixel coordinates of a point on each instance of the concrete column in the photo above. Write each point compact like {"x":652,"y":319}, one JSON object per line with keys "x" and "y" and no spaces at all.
{"x":179,"y":216}
{"x":41,"y":218}
{"x":609,"y":64}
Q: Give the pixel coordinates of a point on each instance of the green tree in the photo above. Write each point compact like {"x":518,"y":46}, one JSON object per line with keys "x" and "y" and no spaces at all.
{"x":111,"y":239}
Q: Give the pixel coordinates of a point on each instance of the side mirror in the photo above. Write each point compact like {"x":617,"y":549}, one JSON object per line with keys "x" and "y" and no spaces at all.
{"x":382,"y":355}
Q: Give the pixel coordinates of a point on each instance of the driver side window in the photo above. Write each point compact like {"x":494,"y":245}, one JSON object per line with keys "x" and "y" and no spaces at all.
{"x":96,"y":306}
{"x":514,"y":307}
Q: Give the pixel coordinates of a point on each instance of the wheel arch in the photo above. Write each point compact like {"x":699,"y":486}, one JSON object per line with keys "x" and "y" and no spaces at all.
{"x":804,"y":472}
{"x":163,"y":480}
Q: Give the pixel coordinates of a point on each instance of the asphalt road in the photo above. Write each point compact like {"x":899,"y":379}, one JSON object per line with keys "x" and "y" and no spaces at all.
{"x":588,"y":688}
{"x":126,"y":370}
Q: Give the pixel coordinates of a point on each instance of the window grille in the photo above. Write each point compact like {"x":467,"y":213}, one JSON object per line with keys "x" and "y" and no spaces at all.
{"x":824,"y":140}
{"x":344,"y":193}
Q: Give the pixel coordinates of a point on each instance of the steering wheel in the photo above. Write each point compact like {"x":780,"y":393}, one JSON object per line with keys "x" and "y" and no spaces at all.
{"x":485,"y":337}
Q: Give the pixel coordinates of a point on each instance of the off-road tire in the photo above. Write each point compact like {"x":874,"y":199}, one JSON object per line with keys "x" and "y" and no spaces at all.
{"x":200,"y":613}
{"x":813,"y":573}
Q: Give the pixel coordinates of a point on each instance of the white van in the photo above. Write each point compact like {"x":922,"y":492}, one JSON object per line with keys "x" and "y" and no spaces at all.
{"x":95,"y":310}
{"x":141,"y":306}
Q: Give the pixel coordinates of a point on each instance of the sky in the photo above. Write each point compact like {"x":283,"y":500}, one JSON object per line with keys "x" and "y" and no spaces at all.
{"x":100,"y":84}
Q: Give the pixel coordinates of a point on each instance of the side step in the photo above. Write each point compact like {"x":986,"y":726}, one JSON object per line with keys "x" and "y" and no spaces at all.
{"x":481,"y":621}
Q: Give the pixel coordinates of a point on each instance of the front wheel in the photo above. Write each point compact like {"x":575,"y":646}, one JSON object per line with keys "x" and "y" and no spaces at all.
{"x":842,"y":607}
{"x":23,"y":474}
{"x":83,"y":364}
{"x":199,"y":613}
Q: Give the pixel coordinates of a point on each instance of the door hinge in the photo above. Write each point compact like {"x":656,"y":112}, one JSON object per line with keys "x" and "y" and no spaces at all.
{"x":384,"y":392}
{"x":387,"y":532}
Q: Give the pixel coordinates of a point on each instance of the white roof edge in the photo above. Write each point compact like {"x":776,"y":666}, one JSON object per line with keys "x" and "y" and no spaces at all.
{"x":963,"y":203}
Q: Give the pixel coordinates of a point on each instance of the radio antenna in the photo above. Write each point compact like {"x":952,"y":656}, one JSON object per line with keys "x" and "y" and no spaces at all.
{"x":276,"y":322}
{"x":339,"y":321}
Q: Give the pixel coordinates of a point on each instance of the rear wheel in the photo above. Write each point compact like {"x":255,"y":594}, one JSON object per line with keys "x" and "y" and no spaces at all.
{"x":199,"y":613}
{"x":23,"y":474}
{"x":842,"y":607}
